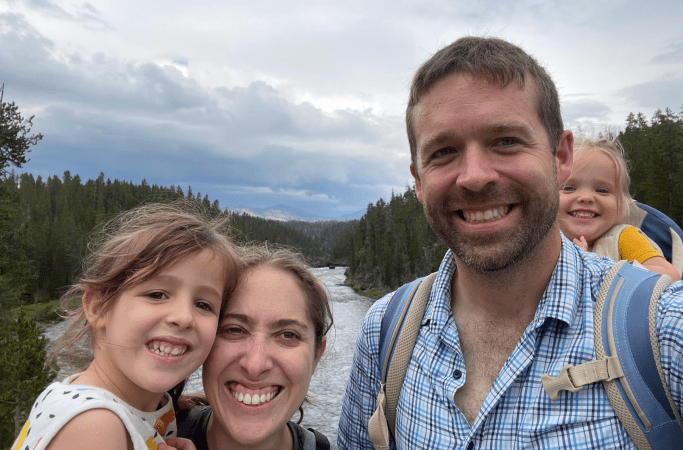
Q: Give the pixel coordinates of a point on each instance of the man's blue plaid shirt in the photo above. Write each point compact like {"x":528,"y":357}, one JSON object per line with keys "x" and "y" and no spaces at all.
{"x":517,"y":412}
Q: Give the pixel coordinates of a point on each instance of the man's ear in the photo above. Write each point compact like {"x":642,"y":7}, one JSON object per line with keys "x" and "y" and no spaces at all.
{"x":564,"y":157}
{"x":92,"y":307}
{"x":418,"y":185}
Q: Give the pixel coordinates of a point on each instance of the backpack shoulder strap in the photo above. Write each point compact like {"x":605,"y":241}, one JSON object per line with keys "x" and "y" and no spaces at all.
{"x":399,"y":330}
{"x":314,"y":440}
{"x":628,"y":359}
{"x":641,"y":398}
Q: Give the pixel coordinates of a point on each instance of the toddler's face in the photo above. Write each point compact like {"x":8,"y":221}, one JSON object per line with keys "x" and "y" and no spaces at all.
{"x":588,"y":200}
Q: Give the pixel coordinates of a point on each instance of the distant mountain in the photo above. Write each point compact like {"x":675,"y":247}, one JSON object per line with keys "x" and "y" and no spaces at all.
{"x":281,"y":213}
{"x":352,"y":215}
{"x":287,"y":213}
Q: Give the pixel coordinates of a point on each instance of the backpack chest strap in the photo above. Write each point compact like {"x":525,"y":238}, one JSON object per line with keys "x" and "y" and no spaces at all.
{"x":574,"y":378}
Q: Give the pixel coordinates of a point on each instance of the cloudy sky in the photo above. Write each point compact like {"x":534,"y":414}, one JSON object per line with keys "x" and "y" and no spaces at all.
{"x":300,"y":103}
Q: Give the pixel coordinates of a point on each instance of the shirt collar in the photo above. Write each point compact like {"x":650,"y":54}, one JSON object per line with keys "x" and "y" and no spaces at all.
{"x":559,"y":301}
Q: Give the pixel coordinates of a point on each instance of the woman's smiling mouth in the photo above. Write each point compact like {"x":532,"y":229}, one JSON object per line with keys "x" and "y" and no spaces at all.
{"x":254,"y":397}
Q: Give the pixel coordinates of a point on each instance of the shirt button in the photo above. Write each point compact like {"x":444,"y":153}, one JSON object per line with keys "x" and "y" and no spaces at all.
{"x":457,"y":374}
{"x":470,"y":446}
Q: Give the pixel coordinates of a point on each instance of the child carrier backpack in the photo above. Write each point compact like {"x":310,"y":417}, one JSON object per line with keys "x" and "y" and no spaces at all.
{"x":662,"y":232}
{"x":628,"y":359}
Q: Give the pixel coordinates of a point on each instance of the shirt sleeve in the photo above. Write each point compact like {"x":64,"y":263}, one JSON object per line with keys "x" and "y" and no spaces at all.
{"x":363,"y":386}
{"x":670,"y":336}
{"x":633,"y":245}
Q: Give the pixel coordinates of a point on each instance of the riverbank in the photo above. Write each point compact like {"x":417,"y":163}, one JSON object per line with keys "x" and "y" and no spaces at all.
{"x":72,"y":360}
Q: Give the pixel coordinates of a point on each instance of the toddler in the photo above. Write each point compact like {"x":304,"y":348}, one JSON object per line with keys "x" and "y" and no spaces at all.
{"x":594,"y":206}
{"x":151,"y":294}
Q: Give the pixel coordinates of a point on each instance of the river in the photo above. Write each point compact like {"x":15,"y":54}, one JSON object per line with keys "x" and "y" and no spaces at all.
{"x":329,"y":381}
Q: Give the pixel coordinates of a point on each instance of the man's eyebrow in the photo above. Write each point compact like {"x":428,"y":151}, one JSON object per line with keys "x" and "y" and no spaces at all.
{"x":437,"y":139}
{"x":518,"y":128}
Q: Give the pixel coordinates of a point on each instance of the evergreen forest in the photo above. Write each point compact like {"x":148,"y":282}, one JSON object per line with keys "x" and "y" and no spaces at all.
{"x":56,"y":216}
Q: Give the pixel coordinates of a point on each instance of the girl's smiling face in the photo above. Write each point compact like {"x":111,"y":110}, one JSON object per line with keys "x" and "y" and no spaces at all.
{"x":257,"y":374}
{"x":158,"y":332}
{"x":588,"y":199}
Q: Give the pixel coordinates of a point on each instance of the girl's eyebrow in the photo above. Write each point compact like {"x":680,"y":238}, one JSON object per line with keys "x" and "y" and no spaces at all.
{"x":174,"y":281}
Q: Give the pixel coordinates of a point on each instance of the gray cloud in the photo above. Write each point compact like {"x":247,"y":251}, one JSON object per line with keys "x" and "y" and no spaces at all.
{"x":264,"y":101}
{"x":578,"y":111}
{"x":101,"y":114}
{"x":86,"y":14}
{"x":673,"y":56}
{"x":657,"y":94}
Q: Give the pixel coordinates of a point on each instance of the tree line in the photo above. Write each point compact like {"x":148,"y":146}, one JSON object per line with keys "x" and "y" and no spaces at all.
{"x":390,"y":245}
{"x":393,"y":243}
{"x":54,"y":217}
{"x":655,"y":151}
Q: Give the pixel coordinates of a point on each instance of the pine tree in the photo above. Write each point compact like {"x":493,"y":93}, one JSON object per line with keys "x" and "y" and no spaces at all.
{"x":15,"y":140}
{"x":23,"y":373}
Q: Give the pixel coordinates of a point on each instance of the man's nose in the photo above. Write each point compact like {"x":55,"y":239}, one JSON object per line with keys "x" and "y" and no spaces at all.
{"x":476,"y":168}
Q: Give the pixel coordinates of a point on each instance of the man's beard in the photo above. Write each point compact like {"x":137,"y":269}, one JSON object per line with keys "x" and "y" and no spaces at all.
{"x":490,"y":252}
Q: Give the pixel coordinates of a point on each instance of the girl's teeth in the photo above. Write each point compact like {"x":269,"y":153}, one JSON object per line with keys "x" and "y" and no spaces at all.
{"x":167,"y":351}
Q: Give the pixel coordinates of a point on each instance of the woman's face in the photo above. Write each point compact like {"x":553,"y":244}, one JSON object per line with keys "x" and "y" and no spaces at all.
{"x":259,"y":369}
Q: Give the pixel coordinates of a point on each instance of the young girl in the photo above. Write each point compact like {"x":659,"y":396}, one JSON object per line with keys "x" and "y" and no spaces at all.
{"x":152,"y":292}
{"x":595,"y":202}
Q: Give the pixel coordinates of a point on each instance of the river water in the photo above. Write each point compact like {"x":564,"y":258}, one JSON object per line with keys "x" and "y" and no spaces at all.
{"x":329,"y":381}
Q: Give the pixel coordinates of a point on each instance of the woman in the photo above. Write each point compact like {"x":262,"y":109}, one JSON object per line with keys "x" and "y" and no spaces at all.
{"x":269,"y":341}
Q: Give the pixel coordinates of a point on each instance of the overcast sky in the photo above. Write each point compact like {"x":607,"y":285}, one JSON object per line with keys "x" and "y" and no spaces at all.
{"x":264,"y":102}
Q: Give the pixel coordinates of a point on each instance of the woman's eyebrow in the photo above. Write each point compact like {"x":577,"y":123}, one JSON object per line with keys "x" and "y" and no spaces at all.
{"x":243,"y":318}
{"x":288,"y":323}
{"x":280,"y":323}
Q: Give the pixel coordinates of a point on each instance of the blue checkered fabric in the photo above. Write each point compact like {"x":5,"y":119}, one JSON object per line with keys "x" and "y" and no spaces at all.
{"x":517,"y":414}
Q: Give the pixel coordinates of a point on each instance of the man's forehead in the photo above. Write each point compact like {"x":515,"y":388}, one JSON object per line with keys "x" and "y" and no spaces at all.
{"x":466,"y":82}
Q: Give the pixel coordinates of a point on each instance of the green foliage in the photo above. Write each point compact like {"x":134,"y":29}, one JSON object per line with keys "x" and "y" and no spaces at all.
{"x":390,"y":245}
{"x":15,"y":140}
{"x":655,"y":151}
{"x":17,"y":274}
{"x":23,"y":373}
{"x":52,"y":219}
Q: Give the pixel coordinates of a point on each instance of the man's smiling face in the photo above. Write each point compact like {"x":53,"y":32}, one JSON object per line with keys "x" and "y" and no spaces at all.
{"x":486,"y":175}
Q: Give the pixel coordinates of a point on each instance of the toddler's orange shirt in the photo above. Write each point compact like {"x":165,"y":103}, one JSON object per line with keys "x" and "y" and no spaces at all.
{"x":633,"y":245}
